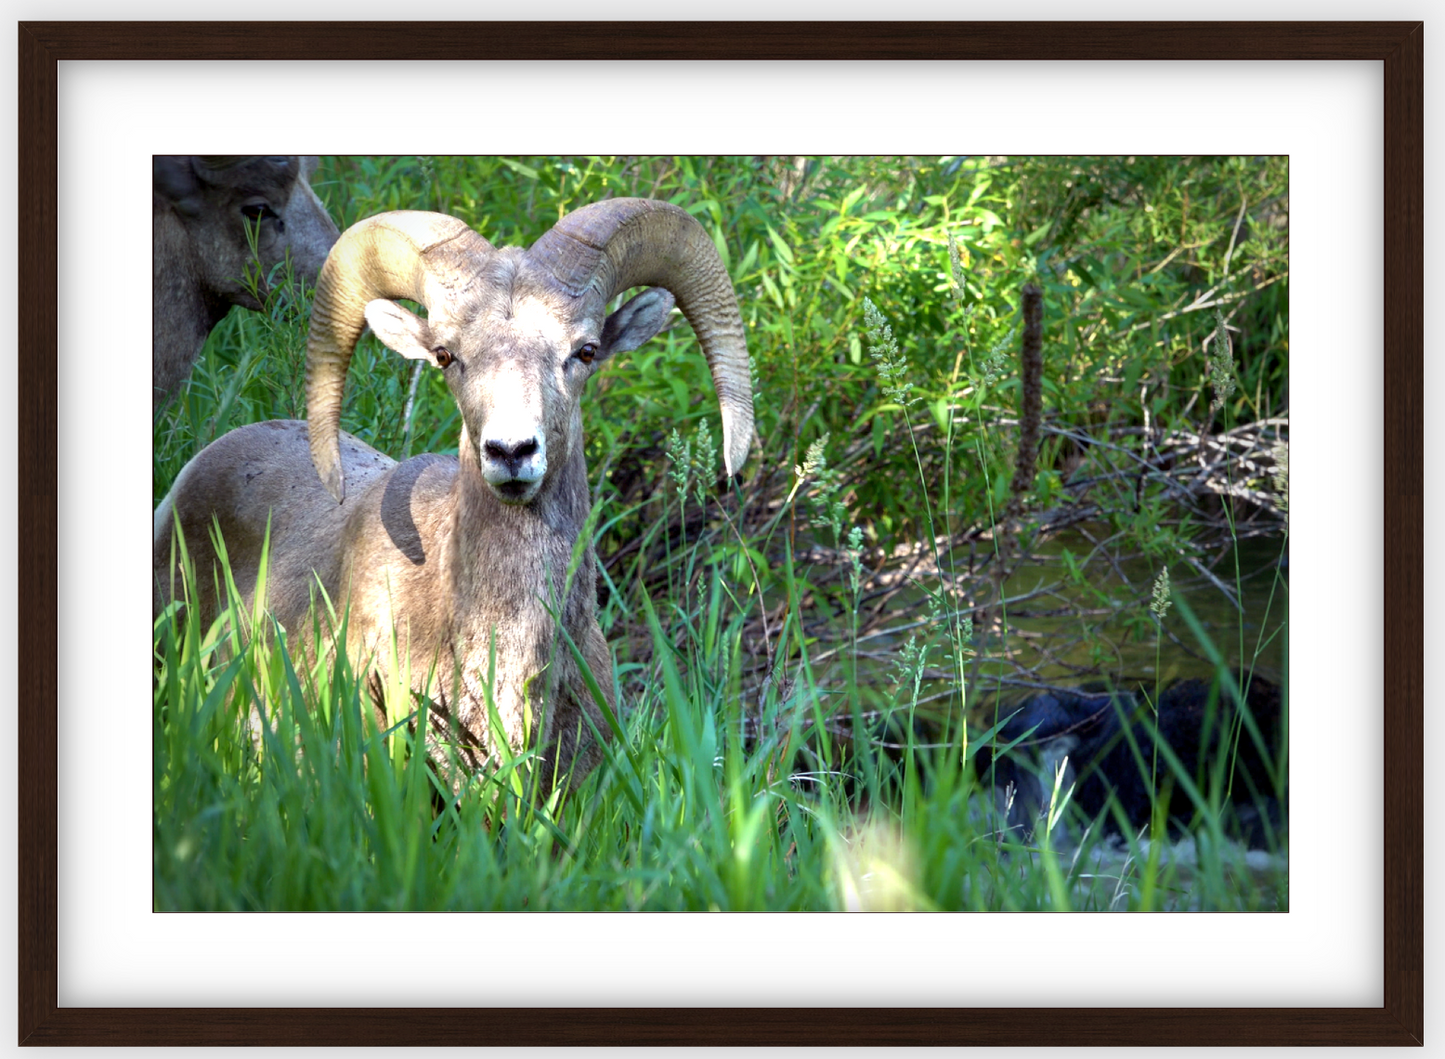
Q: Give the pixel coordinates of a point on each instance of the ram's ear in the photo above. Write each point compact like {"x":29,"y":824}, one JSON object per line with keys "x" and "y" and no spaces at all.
{"x":636,"y":321}
{"x":400,"y":330}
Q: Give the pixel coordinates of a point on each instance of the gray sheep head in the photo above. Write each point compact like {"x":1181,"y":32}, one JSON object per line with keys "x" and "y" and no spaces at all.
{"x":517,"y":369}
{"x":208,"y":213}
{"x":215,"y":199}
{"x":518,"y":333}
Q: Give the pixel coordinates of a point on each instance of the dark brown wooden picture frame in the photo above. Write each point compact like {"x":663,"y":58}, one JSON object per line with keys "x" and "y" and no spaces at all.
{"x":1398,"y":45}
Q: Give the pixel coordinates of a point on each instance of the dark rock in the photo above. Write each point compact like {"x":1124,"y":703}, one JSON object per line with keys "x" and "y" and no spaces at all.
{"x":1107,"y":737}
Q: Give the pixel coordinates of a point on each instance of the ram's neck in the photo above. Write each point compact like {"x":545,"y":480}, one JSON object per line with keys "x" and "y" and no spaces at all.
{"x":182,"y":314}
{"x":508,"y":577}
{"x":504,"y":556}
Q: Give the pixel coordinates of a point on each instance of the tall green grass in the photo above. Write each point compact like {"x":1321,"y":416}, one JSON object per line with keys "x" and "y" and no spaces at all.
{"x":275,"y":790}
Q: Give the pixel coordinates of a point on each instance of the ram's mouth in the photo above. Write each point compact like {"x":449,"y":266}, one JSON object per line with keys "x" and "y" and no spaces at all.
{"x":516,"y":491}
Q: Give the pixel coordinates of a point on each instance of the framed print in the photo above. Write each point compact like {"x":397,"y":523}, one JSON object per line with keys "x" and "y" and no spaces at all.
{"x":99,"y":965}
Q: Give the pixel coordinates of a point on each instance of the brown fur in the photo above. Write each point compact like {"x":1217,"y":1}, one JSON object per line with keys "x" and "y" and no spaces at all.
{"x":408,"y":532}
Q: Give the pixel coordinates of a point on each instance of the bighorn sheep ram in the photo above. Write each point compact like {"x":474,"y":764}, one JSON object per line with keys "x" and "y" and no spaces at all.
{"x":463,"y":556}
{"x":201,"y":207}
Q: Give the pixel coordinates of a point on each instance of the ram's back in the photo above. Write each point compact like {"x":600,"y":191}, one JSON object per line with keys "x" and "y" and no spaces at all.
{"x":262,"y":474}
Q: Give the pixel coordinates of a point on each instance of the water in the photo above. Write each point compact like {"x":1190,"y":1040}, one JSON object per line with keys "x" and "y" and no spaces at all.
{"x":1068,"y":628}
{"x":1073,"y":615}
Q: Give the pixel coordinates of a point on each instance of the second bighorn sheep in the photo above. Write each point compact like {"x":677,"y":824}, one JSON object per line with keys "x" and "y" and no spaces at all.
{"x":201,"y":207}
{"x":466,"y":558}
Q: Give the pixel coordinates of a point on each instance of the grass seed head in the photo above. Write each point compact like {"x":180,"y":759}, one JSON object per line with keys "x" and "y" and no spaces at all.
{"x":1221,"y":364}
{"x":1280,"y":475}
{"x":1161,"y":600}
{"x":996,"y":363}
{"x":679,"y":453}
{"x":892,"y":365}
{"x":955,"y":266}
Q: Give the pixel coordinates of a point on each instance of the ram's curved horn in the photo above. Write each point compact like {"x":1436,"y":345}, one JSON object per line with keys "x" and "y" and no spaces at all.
{"x":610,"y":246}
{"x":402,"y":254}
{"x":225,"y":170}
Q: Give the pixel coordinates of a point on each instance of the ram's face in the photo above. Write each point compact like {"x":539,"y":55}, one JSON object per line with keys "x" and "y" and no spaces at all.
{"x":245,"y":219}
{"x":517,"y":355}
{"x":521,"y":361}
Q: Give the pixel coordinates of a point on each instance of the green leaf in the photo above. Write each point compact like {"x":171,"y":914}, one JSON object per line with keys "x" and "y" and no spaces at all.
{"x":749,"y":260}
{"x":721,"y":244}
{"x":940,"y":410}
{"x":526,"y":170}
{"x":1084,"y":272}
{"x":784,"y":251}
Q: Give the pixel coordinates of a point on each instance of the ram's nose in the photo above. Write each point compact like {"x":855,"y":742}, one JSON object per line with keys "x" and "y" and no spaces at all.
{"x":512,"y":453}
{"x":514,"y":467}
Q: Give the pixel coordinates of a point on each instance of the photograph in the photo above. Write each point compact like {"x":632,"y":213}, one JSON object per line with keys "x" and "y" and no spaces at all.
{"x":921,"y":543}
{"x":934,"y":537}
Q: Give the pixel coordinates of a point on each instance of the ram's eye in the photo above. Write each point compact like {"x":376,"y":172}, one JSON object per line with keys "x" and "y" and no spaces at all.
{"x":443,"y":356}
{"x":587,"y":353}
{"x":256,"y":211}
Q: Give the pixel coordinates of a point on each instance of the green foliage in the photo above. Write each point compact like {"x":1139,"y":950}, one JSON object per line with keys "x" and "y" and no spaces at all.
{"x":1136,"y":258}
